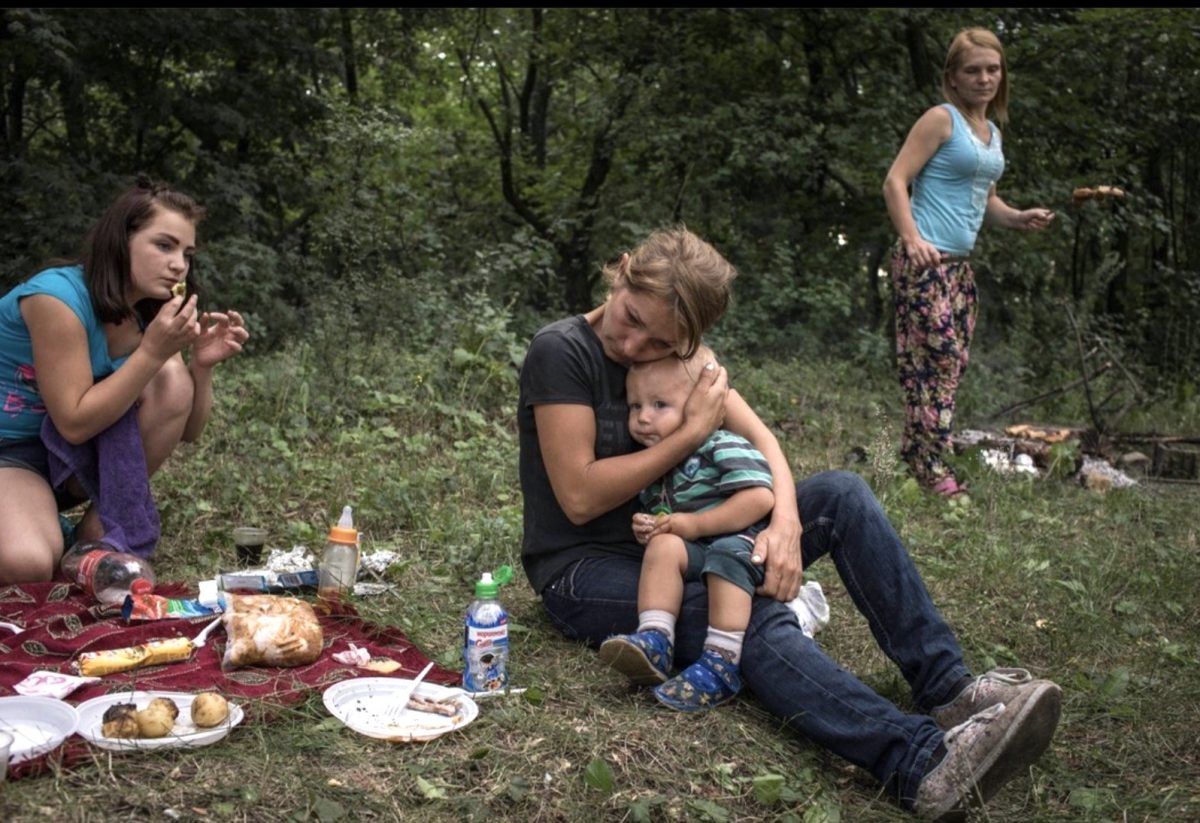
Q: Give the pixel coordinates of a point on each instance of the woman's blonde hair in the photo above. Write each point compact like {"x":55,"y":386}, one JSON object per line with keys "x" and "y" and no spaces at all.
{"x":984,"y":39}
{"x":678,"y":267}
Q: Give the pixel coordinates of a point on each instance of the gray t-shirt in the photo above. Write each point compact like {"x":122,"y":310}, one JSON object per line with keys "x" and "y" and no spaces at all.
{"x":566,"y":364}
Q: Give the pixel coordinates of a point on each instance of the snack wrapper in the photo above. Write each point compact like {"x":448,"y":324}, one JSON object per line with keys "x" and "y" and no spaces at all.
{"x":52,"y":684}
{"x":154,"y":653}
{"x":156,"y":607}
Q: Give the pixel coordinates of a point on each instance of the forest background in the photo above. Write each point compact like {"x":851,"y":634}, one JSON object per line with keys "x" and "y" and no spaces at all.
{"x":398,"y":198}
{"x":377,"y":168}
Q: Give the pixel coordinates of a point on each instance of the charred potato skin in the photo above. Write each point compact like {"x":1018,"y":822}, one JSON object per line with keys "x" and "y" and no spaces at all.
{"x":120,"y":720}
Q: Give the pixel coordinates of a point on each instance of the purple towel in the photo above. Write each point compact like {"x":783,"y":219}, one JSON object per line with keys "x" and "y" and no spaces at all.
{"x":111,"y":467}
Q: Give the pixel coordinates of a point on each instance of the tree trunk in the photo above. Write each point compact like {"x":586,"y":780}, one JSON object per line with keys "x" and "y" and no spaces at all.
{"x":349,"y":61}
{"x":14,"y":127}
{"x":71,"y":91}
{"x":923,"y":66}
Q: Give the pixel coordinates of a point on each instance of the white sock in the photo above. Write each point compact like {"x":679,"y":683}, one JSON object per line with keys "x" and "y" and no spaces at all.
{"x":658,"y":620}
{"x":728,"y":642}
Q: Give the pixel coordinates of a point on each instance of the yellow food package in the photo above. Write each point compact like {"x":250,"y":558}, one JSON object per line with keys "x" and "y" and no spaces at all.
{"x":156,"y":652}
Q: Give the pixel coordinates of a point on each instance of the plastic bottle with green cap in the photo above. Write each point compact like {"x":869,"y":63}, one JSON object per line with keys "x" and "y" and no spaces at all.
{"x":485,"y":635}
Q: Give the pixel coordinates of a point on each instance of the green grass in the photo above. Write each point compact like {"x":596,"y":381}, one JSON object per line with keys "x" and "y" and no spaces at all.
{"x":1094,"y":591}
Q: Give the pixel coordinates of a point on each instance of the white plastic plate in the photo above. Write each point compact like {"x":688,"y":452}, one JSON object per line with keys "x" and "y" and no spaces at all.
{"x":37,"y":724}
{"x":185,"y":732}
{"x":362,"y":704}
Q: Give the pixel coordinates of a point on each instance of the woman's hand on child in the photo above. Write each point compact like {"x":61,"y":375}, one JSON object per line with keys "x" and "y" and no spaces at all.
{"x":705,"y":407}
{"x":777,"y":548}
{"x":222,"y":335}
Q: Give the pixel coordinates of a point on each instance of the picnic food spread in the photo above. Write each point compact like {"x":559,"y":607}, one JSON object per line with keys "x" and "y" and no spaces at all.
{"x":262,"y":630}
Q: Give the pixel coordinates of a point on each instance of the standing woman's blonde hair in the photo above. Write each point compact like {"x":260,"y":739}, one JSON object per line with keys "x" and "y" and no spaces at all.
{"x":687,"y":273}
{"x":984,"y":39}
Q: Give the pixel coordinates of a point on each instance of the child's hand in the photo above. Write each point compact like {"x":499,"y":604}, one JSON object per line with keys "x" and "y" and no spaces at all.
{"x":680,"y":524}
{"x":648,"y":526}
{"x":643,"y":527}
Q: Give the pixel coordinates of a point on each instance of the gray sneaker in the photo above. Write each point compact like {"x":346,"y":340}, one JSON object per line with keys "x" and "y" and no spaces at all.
{"x":987,"y":750}
{"x":996,"y":686}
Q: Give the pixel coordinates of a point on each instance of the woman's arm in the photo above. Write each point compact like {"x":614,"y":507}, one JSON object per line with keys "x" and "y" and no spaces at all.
{"x":778,"y":545}
{"x":80,"y":407}
{"x":586,"y":487}
{"x":999,"y":213}
{"x":222,"y":336}
{"x":927,"y":134}
{"x":202,"y":402}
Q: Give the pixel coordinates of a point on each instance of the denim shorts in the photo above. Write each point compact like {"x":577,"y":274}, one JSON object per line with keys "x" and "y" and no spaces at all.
{"x":30,"y":453}
{"x":727,"y":557}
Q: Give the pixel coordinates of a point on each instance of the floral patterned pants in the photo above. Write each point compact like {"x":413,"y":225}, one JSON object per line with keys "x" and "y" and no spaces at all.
{"x":935,"y":319}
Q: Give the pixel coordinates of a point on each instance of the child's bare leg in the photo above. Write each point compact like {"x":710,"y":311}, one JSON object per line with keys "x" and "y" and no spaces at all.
{"x":660,"y":587}
{"x":728,"y":616}
{"x":728,"y":605}
{"x":645,"y":656}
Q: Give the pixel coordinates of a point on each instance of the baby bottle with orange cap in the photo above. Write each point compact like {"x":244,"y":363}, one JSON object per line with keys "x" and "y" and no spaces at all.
{"x":339,"y":562}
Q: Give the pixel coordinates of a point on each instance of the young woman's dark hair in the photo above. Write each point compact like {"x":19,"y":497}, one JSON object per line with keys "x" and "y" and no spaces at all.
{"x":105,"y":255}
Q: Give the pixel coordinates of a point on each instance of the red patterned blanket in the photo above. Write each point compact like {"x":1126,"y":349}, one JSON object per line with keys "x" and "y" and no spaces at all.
{"x":60,"y":621}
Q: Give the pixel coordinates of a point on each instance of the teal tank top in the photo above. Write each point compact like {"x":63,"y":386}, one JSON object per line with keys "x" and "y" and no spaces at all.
{"x":950,"y":194}
{"x":23,"y":410}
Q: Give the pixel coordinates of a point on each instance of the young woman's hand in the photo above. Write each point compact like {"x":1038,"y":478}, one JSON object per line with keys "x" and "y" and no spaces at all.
{"x":705,"y":407}
{"x":221,"y":337}
{"x":172,"y":329}
{"x":922,"y":253}
{"x":1032,"y":219}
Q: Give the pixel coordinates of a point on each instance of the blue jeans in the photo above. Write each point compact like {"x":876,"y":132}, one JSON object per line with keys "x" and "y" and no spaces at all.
{"x":787,"y":671}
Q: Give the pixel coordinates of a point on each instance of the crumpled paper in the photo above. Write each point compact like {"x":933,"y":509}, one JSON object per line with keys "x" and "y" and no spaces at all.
{"x":362,"y":658}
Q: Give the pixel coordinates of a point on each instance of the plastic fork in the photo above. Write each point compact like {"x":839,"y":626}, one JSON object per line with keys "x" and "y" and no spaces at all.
{"x":199,"y":640}
{"x":392,"y":714}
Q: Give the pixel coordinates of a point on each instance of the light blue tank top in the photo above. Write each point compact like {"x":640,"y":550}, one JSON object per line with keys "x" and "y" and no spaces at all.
{"x":950,"y":194}
{"x":23,"y":409}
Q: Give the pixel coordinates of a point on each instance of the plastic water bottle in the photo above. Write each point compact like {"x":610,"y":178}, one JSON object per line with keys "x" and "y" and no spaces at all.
{"x":339,"y":563}
{"x":485,"y":636}
{"x":811,"y":608}
{"x":105,"y":573}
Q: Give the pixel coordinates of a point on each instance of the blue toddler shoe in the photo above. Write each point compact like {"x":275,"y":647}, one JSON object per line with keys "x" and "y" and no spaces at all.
{"x":644,"y":657}
{"x":707,"y":683}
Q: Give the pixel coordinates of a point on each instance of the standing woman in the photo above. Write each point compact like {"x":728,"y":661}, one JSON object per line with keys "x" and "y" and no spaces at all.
{"x":87,"y":341}
{"x":952,"y":158}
